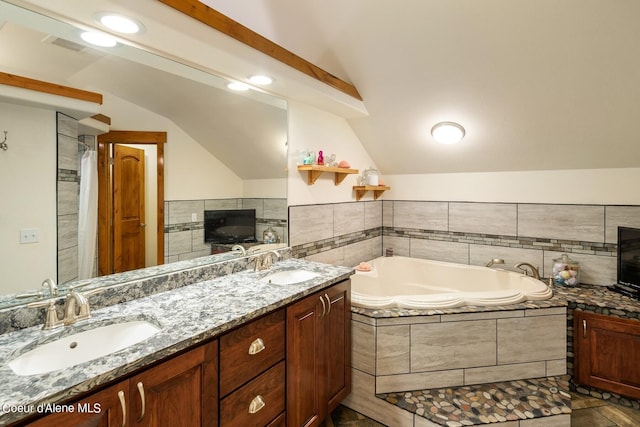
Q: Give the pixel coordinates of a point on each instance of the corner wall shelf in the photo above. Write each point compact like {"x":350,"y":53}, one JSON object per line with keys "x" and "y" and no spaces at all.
{"x":316,"y":170}
{"x":361,"y":190}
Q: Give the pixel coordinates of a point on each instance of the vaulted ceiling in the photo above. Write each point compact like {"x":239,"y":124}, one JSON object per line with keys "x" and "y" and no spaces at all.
{"x":538,"y":84}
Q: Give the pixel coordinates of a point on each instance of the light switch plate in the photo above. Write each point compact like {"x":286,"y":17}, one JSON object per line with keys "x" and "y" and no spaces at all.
{"x":29,"y":235}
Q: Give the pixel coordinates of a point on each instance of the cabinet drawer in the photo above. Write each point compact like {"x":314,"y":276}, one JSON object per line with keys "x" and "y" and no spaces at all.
{"x":267,"y":394}
{"x":248,"y":351}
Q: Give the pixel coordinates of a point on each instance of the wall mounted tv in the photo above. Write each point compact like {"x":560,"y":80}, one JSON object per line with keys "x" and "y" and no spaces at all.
{"x":629,"y":261}
{"x":230,"y":226}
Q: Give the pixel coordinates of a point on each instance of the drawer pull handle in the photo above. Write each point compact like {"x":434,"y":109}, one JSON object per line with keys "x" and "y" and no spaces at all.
{"x":142,"y":400}
{"x":123,"y":405}
{"x":324,"y":307}
{"x":584,"y":328}
{"x":328,"y":303}
{"x":256,"y":346}
{"x":256,"y":404}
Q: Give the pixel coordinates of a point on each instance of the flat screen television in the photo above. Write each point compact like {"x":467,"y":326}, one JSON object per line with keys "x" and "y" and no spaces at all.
{"x":629,"y":257}
{"x":230,"y":226}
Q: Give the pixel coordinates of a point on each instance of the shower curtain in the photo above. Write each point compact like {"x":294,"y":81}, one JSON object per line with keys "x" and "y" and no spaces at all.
{"x":88,"y":214}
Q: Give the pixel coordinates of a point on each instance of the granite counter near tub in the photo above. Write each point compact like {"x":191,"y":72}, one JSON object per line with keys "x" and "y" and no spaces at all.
{"x":188,"y":315}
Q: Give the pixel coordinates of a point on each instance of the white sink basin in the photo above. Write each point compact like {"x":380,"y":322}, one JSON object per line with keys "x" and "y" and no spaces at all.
{"x":289,"y":277}
{"x":81,"y":347}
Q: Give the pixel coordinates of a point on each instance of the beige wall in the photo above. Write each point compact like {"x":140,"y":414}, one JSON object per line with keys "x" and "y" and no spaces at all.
{"x":313,"y":129}
{"x":28,"y":196}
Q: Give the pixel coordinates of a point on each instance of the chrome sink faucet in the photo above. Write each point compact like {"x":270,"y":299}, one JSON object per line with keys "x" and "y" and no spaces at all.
{"x":534,"y":271}
{"x":265,"y":261}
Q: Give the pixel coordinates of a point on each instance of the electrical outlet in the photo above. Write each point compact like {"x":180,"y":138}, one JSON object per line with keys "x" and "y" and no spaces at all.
{"x":194,"y":217}
{"x":30,"y":235}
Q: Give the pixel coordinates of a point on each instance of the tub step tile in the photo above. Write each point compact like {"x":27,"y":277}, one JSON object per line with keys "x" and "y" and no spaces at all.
{"x":530,"y":402}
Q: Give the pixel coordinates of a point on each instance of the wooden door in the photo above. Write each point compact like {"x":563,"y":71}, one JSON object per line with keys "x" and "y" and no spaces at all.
{"x":337,"y":345}
{"x":607,"y":351}
{"x":128,"y":209}
{"x":181,"y":392}
{"x":106,"y":408}
{"x":304,"y":348}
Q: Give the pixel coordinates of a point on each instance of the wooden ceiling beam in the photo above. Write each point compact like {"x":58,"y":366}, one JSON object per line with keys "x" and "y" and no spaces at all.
{"x":234,"y":29}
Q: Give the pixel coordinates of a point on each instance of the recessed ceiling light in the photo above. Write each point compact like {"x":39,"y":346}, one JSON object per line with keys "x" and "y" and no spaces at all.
{"x":119,"y":23}
{"x":261,"y":80}
{"x":238,"y":86}
{"x":447,"y":132}
{"x":98,"y":39}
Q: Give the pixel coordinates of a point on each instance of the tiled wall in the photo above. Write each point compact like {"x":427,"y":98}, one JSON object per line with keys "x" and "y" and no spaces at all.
{"x":68,"y":187}
{"x":474,"y":233}
{"x":338,"y":233}
{"x":464,"y":232}
{"x":184,"y":238}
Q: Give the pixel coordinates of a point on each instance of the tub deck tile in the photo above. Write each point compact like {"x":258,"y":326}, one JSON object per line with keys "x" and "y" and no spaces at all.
{"x":487,"y":403}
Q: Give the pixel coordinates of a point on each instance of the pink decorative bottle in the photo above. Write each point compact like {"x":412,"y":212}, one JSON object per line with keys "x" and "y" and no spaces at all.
{"x":320,"y":158}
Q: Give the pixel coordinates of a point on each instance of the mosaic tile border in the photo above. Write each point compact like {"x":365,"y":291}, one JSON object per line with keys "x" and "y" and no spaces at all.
{"x":312,"y":248}
{"x":538,"y":243}
{"x":68,"y":175}
{"x":487,"y":403}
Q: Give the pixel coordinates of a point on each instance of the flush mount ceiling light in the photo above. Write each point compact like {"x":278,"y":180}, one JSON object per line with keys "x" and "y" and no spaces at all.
{"x":261,"y":80}
{"x":98,"y":39}
{"x":447,"y":132}
{"x":238,"y":86}
{"x":119,"y":23}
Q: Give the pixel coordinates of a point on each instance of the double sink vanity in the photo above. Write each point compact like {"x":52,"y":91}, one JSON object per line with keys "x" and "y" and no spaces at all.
{"x":249,"y":347}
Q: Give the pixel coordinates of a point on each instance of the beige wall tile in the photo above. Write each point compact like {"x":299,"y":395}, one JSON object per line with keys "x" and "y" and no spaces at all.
{"x":180,"y":211}
{"x":400,"y":245}
{"x":594,"y":269}
{"x":222,"y":204}
{"x":67,"y":264}
{"x":365,"y":250}
{"x":453,"y":345}
{"x":546,"y":311}
{"x":481,"y":316}
{"x":197,"y":242}
{"x":67,"y":126}
{"x":532,"y":339}
{"x":67,"y":152}
{"x":332,"y":256}
{"x":420,"y":215}
{"x":419,"y":381}
{"x":310,"y":223}
{"x":363,"y":319}
{"x":372,"y":215}
{"x":67,"y":231}
{"x":625,"y":216}
{"x":363,"y":400}
{"x":570,"y":222}
{"x":387,"y":213}
{"x":67,"y":198}
{"x":179,"y":243}
{"x":392,"y":350}
{"x":440,"y":251}
{"x":348,"y":218}
{"x":363,"y":347}
{"x":414,"y":320}
{"x":257,"y":204}
{"x":489,"y":374}
{"x":483,"y":218}
{"x":556,"y":367}
{"x":275,"y":208}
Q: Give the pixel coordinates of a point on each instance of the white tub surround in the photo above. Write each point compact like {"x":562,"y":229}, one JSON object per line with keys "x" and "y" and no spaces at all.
{"x":424,"y":284}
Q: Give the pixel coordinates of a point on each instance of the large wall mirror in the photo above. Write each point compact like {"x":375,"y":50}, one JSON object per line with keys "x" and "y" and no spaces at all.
{"x":225,"y":150}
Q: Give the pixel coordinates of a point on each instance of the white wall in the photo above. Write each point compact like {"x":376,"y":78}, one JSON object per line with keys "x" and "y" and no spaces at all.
{"x":191,"y":172}
{"x":586,"y":186}
{"x":265,"y":188}
{"x":313,"y":129}
{"x":27,"y":196}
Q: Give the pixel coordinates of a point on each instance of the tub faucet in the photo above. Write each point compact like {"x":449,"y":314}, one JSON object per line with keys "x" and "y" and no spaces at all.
{"x":534,"y":271}
{"x":239,"y":248}
{"x":495,"y":261}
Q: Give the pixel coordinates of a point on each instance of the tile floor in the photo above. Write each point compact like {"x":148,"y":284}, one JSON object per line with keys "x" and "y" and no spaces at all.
{"x":587,"y":412}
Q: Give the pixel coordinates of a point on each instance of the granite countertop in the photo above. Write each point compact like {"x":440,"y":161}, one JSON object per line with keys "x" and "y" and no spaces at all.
{"x":187,"y":315}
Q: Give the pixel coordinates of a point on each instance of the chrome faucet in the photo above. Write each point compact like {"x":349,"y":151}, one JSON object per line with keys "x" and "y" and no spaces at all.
{"x":265,"y":261}
{"x":239,"y":248}
{"x":495,"y":261}
{"x":534,"y":271}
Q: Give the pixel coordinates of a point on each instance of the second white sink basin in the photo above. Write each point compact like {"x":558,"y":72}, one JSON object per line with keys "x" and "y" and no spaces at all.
{"x":289,"y":277}
{"x":82,"y":347}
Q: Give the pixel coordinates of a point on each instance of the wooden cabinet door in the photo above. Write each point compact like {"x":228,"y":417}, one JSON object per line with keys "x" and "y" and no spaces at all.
{"x":106,"y":408}
{"x":337,"y":345}
{"x":607,"y":351}
{"x":304,"y":347}
{"x":181,"y":392}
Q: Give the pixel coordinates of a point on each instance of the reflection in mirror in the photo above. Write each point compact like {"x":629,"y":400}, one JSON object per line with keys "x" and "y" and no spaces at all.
{"x":224,"y":150}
